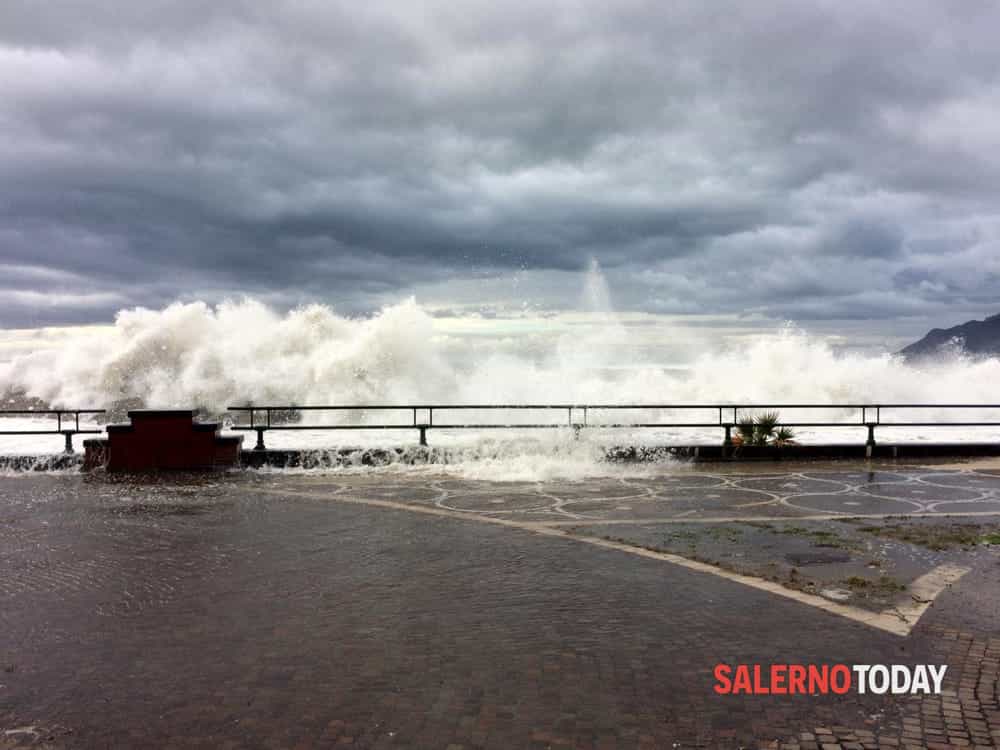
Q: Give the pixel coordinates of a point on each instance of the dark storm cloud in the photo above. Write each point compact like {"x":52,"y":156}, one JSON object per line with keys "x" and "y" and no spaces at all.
{"x":808,"y":160}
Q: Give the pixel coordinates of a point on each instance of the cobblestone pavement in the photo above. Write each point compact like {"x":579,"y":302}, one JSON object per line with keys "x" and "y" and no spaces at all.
{"x":264,"y":611}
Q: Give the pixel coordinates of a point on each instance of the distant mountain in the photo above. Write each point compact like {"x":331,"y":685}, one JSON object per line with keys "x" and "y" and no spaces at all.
{"x":973,"y":337}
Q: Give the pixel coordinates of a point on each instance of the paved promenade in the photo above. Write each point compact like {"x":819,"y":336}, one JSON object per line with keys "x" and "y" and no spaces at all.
{"x":422,"y":611}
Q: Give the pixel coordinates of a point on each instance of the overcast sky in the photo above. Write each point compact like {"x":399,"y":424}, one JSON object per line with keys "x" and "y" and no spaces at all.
{"x":813,"y":161}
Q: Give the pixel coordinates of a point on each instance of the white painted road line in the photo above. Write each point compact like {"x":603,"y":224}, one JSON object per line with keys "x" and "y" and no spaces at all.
{"x":898,"y":621}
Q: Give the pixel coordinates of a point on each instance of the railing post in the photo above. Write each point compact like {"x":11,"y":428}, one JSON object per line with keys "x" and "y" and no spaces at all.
{"x":727,"y":441}
{"x":423,"y":434}
{"x":260,"y":439}
{"x":870,"y":443}
{"x":68,"y":434}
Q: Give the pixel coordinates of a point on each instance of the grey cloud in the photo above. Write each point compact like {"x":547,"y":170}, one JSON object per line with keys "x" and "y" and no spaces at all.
{"x":798,"y":159}
{"x":867,"y":238}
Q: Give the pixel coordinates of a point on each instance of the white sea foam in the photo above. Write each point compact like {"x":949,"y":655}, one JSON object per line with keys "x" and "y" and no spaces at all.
{"x":194,"y":354}
{"x":197,"y":355}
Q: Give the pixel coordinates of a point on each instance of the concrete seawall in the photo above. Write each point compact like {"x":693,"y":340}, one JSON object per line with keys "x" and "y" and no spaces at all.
{"x":422,"y":455}
{"x":818,"y":452}
{"x":41,"y":462}
{"x":343,"y":457}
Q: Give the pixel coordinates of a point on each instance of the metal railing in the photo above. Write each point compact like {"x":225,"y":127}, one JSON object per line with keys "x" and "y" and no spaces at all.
{"x":60,"y":429}
{"x":580,"y":417}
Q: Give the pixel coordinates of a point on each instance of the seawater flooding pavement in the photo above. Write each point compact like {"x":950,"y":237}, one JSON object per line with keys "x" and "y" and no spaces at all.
{"x":423,"y":610}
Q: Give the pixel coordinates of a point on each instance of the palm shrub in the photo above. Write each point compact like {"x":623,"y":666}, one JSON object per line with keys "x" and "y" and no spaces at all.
{"x":764,"y":426}
{"x":745,"y":430}
{"x":783,"y":436}
{"x":763,"y":429}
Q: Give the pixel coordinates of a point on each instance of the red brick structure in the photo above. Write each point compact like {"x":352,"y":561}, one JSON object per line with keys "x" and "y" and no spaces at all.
{"x":163,"y":440}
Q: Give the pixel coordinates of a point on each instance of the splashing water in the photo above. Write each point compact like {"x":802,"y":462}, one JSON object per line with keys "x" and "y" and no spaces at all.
{"x":196,"y":355}
{"x":596,"y":294}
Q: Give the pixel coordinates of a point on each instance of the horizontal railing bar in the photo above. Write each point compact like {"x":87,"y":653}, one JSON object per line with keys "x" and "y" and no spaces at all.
{"x":443,"y":407}
{"x":546,"y":425}
{"x":936,"y":424}
{"x":577,"y":425}
{"x":590,"y":425}
{"x":446,"y":407}
{"x":408,"y":426}
{"x":385,"y":407}
{"x":265,"y":428}
{"x":52,"y":411}
{"x":917,"y":406}
{"x":51,"y":432}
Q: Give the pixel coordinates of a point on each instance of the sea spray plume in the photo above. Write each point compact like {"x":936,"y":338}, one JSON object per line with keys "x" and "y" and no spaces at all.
{"x":191,"y":354}
{"x":602,"y":342}
{"x":596,"y":293}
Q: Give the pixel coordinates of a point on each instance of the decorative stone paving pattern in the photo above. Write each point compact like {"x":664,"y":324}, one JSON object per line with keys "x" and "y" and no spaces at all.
{"x":691,"y":495}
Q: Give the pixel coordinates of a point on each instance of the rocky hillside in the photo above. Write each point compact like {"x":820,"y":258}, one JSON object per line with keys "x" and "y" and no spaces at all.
{"x":973,"y":337}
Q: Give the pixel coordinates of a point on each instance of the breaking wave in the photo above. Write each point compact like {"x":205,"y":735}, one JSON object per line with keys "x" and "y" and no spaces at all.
{"x":198,"y":355}
{"x":193,"y":354}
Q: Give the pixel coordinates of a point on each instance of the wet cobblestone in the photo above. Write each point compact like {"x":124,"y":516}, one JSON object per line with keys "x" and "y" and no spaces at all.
{"x":228,"y":612}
